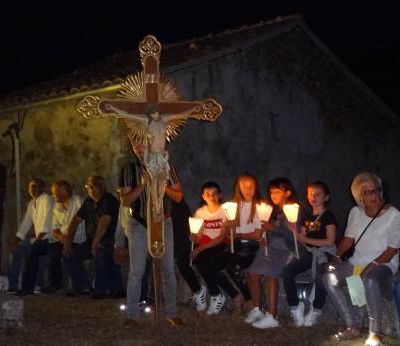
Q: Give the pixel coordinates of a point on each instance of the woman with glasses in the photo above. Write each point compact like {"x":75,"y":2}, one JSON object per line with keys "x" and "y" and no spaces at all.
{"x":373,"y":227}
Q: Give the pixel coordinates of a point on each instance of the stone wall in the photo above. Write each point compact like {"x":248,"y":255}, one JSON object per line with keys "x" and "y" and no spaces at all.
{"x":288,"y":111}
{"x":56,"y":143}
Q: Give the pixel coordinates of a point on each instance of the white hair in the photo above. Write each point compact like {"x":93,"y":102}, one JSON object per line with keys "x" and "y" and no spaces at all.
{"x":361,"y":179}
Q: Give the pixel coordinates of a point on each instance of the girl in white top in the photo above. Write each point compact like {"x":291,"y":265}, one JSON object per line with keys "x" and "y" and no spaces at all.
{"x":210,"y":254}
{"x":247,"y":232}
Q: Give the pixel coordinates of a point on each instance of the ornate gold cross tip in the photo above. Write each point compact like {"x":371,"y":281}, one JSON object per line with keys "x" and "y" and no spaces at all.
{"x":149,"y":87}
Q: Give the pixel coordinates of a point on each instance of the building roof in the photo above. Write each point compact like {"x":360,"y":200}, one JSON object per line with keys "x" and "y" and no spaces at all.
{"x":106,"y":75}
{"x":113,"y":70}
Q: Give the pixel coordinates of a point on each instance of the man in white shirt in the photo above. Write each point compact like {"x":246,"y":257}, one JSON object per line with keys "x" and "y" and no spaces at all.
{"x":66,"y":206}
{"x":38,"y":215}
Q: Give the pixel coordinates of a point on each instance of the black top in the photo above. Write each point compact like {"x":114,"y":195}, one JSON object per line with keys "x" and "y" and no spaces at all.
{"x":91,"y":212}
{"x":316,"y":229}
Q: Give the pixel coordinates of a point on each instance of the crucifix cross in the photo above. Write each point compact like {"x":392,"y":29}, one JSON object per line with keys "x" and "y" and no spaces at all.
{"x":153,"y":112}
{"x":150,"y":52}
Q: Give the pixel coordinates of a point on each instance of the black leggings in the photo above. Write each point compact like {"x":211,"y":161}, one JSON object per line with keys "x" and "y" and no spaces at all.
{"x":297,"y":266}
{"x":240,"y":260}
{"x":210,"y":264}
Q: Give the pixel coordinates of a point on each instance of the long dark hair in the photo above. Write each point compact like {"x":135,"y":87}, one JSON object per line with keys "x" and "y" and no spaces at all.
{"x":284,"y":184}
{"x":238,"y":197}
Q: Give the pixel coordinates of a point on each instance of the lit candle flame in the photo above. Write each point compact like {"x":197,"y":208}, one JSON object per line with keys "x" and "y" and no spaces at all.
{"x":230,"y":210}
{"x":195,"y":224}
{"x":264,"y":211}
{"x":291,"y":212}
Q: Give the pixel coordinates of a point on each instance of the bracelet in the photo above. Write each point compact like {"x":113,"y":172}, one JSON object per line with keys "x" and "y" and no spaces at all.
{"x":375,"y":262}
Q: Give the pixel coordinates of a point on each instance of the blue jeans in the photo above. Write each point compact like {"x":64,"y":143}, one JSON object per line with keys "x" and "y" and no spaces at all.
{"x":107,"y":273}
{"x":38,"y":249}
{"x":137,"y":243}
{"x":22,"y":251}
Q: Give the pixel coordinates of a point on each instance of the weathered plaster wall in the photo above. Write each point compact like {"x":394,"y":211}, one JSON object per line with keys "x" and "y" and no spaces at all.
{"x":56,"y":143}
{"x":5,"y":159}
{"x":288,"y":111}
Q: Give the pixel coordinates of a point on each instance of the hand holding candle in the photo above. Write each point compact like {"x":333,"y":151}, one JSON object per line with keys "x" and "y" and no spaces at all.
{"x":264,"y":211}
{"x":195,"y":225}
{"x":292,"y":213}
{"x":230,"y":209}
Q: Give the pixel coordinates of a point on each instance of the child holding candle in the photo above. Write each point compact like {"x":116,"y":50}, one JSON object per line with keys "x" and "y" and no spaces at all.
{"x":270,"y":263}
{"x":318,"y":235}
{"x":210,"y":254}
{"x":247,"y":232}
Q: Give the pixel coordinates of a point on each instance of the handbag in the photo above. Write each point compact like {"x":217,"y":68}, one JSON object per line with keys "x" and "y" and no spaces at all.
{"x":349,"y":253}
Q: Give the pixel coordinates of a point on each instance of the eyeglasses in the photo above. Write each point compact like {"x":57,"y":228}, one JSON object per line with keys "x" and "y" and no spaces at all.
{"x":372,"y":192}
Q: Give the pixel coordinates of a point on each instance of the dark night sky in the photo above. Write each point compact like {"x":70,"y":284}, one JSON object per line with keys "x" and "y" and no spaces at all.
{"x":40,"y":42}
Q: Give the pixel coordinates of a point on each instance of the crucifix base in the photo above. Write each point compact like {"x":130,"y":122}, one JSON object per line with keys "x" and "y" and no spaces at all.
{"x":157,"y":290}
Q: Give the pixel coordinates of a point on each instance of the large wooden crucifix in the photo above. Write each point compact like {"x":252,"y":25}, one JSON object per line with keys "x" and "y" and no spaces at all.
{"x":153,"y":111}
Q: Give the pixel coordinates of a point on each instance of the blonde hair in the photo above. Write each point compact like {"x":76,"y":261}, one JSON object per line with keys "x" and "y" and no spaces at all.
{"x":238,"y":197}
{"x":361,"y":179}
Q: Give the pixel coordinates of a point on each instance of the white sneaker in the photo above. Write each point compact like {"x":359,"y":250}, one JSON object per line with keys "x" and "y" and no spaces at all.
{"x":200,"y":298}
{"x":37,"y":290}
{"x":216,"y":304}
{"x":311,"y":318}
{"x":254,"y":315}
{"x":268,"y":321}
{"x":298,"y":314}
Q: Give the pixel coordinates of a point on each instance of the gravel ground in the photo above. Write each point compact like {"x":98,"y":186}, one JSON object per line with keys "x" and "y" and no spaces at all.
{"x":59,"y":320}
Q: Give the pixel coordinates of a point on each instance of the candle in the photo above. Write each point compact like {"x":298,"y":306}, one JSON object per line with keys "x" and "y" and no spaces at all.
{"x":230,"y":209}
{"x":195,"y":224}
{"x":291,"y":212}
{"x":264,"y":211}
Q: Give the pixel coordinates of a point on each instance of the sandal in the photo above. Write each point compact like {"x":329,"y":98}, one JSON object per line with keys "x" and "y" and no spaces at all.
{"x":373,"y":340}
{"x":347,"y":334}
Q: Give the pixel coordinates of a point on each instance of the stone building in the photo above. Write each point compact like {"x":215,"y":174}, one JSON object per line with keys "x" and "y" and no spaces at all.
{"x":291,"y":108}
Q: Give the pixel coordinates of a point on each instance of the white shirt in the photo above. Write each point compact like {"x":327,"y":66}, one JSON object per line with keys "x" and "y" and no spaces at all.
{"x":246,"y":226}
{"x":38,"y":215}
{"x":383,"y":232}
{"x":212,"y":221}
{"x":62,"y":217}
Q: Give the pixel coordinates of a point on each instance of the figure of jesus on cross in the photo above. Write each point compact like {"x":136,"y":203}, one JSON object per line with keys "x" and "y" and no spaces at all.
{"x":155,"y":156}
